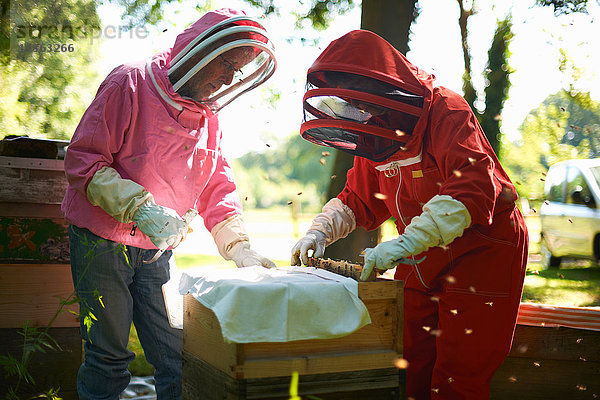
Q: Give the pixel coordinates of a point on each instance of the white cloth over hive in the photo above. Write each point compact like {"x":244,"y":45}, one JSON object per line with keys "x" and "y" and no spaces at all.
{"x":256,"y":304}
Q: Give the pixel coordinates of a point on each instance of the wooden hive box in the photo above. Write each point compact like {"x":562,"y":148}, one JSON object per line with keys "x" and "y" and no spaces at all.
{"x":549,"y":361}
{"x":35,"y":272}
{"x":357,"y":366}
{"x":32,"y":228}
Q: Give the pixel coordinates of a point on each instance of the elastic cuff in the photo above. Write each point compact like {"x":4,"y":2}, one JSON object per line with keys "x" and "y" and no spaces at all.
{"x":227,"y":234}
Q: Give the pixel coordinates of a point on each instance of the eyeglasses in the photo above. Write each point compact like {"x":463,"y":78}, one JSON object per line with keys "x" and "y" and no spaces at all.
{"x":230,"y":67}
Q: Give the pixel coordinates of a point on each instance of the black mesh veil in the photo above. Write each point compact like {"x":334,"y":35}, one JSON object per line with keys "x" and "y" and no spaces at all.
{"x":360,"y":115}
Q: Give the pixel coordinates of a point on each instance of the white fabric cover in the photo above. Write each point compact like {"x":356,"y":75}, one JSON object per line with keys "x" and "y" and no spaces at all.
{"x":257,"y":304}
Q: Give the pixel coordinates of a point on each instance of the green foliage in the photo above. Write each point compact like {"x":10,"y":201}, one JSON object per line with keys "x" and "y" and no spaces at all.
{"x":319,"y":13}
{"x":566,"y":125}
{"x":498,"y":82}
{"x":47,"y":69}
{"x":38,"y":340}
{"x":564,"y":6}
{"x":45,"y":93}
{"x":294,"y":171}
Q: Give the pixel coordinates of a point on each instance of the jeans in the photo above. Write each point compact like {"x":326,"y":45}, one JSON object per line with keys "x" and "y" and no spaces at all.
{"x":115,"y":288}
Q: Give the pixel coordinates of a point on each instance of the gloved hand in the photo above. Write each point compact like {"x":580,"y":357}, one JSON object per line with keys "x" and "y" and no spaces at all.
{"x":118,"y":197}
{"x":315,"y":241}
{"x":385,"y":255}
{"x":244,"y":256}
{"x":233,"y":243}
{"x":163,"y":225}
{"x":335,"y":221}
{"x":443,"y":219}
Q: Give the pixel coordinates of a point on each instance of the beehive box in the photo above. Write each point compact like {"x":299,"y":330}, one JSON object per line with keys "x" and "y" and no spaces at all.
{"x":32,"y":228}
{"x":550,"y":361}
{"x":35,"y":272}
{"x":357,"y":366}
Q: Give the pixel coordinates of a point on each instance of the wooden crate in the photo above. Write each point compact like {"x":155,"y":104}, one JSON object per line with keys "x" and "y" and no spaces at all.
{"x":35,"y":272}
{"x":357,"y":366}
{"x":32,"y":228}
{"x":550,"y":363}
{"x":32,"y":292}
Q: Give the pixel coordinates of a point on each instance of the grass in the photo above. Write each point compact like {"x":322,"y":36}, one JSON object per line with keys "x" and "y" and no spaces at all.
{"x":576,"y":283}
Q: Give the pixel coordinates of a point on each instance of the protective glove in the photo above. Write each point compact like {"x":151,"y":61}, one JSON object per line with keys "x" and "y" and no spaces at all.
{"x":336,"y":221}
{"x":233,"y":243}
{"x":118,"y":197}
{"x":244,"y":256}
{"x":161,"y":224}
{"x":443,"y":219}
{"x":128,"y":201}
{"x":313,"y":240}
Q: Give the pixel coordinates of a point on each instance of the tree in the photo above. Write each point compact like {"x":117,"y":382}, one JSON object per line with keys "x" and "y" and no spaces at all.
{"x":566,"y":125}
{"x":48,"y":52}
{"x":390,"y":19}
{"x":564,"y":6}
{"x":496,"y":75}
{"x":292,"y":173}
{"x":46,"y":66}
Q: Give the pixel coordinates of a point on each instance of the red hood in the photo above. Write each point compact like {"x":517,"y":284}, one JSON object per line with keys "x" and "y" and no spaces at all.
{"x":365,"y":53}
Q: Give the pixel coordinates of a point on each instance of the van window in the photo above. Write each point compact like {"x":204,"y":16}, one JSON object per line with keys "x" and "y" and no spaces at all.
{"x":596,"y":173}
{"x":577,"y":183}
{"x":555,"y":183}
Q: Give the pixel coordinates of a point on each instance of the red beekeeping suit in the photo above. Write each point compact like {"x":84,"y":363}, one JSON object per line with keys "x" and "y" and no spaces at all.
{"x":461,"y":301}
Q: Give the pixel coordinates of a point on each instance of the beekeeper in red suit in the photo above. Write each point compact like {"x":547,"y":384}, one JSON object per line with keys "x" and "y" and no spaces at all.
{"x":147,"y":153}
{"x":421,"y":158}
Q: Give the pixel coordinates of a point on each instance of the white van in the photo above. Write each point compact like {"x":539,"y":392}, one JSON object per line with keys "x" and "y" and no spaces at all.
{"x":570,"y":214}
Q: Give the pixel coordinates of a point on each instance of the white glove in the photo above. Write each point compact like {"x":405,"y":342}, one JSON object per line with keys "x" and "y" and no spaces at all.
{"x":244,"y":256}
{"x":127,"y":201}
{"x":335,"y":222}
{"x":233,"y":243}
{"x":315,"y":241}
{"x":163,"y":225}
{"x":443,"y":219}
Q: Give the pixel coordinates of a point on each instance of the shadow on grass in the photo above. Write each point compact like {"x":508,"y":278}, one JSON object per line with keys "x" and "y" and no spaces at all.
{"x":574,"y":284}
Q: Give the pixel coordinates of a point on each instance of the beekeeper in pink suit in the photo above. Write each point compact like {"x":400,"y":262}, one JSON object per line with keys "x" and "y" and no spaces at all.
{"x":146,"y":153}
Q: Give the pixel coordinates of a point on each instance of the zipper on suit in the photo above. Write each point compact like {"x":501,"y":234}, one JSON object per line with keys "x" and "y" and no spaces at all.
{"x":392,"y":169}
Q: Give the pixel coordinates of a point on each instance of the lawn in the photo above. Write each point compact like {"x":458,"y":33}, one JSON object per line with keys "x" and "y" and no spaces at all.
{"x":576,"y":283}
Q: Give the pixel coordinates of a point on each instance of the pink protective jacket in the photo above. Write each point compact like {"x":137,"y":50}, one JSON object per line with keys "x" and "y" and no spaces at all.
{"x":134,"y":128}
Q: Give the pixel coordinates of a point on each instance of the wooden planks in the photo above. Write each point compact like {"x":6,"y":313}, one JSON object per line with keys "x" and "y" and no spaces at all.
{"x":32,"y":180}
{"x":202,"y":380}
{"x":374,"y":346}
{"x":32,"y":292}
{"x":550,"y":363}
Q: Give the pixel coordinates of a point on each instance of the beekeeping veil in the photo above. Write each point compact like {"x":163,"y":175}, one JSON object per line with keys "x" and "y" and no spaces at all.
{"x":234,"y":35}
{"x":363,"y":97}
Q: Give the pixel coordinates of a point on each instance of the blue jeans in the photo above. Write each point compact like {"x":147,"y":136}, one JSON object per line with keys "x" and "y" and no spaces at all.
{"x":116,"y":287}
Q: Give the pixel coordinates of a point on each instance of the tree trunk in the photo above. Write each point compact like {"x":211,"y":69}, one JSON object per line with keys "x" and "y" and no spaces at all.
{"x":390,"y":19}
{"x":496,"y":92}
{"x":470,"y":94}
